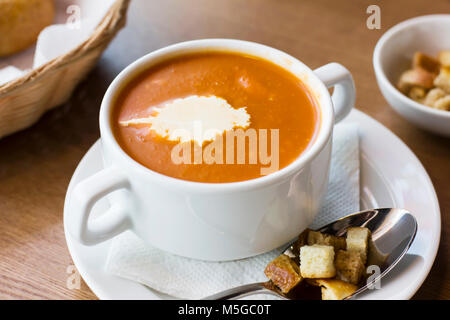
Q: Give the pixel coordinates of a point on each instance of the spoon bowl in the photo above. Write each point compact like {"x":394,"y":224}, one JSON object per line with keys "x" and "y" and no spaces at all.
{"x":393,"y":231}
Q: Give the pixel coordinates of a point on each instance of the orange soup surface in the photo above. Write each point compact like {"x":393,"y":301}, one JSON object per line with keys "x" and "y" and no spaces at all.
{"x":272,"y":97}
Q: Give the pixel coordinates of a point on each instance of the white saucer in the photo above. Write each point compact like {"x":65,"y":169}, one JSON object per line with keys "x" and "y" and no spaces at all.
{"x":391,"y":176}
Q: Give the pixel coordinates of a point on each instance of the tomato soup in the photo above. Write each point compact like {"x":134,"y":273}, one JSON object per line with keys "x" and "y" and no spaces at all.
{"x":264,"y":97}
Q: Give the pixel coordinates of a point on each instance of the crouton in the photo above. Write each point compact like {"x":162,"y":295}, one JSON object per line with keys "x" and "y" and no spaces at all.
{"x":415,"y":78}
{"x":349,"y":266}
{"x":337,"y":243}
{"x":303,"y":238}
{"x":284,"y":273}
{"x":317,"y":261}
{"x":433,"y":95}
{"x":426,"y":63}
{"x":443,"y":103}
{"x":301,"y":241}
{"x":443,"y":79}
{"x":417,"y":93}
{"x":358,"y":240}
{"x":444,"y":58}
{"x":336,"y":289}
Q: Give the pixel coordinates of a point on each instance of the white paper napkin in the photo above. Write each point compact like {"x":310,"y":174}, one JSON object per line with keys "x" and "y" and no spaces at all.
{"x":179,"y":277}
{"x":75,"y":20}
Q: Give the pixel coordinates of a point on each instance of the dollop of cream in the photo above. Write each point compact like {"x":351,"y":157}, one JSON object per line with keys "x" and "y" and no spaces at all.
{"x":194,"y":118}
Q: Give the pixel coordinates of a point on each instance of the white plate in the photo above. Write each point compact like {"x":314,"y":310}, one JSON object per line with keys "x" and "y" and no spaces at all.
{"x":391,"y":176}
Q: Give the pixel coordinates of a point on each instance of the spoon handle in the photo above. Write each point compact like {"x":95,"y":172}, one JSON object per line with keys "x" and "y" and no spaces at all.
{"x":241,"y":291}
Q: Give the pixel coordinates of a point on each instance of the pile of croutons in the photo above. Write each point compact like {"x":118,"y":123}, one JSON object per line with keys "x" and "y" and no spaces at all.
{"x":428,"y":82}
{"x":336,"y":264}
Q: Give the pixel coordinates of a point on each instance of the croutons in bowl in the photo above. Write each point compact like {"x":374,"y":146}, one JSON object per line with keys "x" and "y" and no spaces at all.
{"x":405,"y":77}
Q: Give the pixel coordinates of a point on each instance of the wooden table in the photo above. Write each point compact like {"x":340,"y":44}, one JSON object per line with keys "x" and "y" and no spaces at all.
{"x":37,"y":164}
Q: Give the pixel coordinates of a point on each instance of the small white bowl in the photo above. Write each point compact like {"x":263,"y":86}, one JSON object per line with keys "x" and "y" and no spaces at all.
{"x":393,"y":55}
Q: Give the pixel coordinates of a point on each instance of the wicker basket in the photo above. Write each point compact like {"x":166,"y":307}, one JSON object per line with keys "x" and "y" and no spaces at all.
{"x":24,"y":100}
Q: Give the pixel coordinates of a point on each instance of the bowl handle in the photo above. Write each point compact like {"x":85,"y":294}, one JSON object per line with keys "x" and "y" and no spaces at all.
{"x":344,"y":95}
{"x":111,"y":223}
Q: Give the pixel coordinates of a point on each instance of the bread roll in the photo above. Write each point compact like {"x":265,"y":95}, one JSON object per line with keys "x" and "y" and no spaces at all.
{"x":21,"y":21}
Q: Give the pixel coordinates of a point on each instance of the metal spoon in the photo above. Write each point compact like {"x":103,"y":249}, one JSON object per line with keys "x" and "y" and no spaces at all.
{"x":393,"y":231}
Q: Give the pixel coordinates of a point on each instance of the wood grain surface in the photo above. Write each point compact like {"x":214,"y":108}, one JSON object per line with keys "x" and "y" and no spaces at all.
{"x":36,"y":164}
